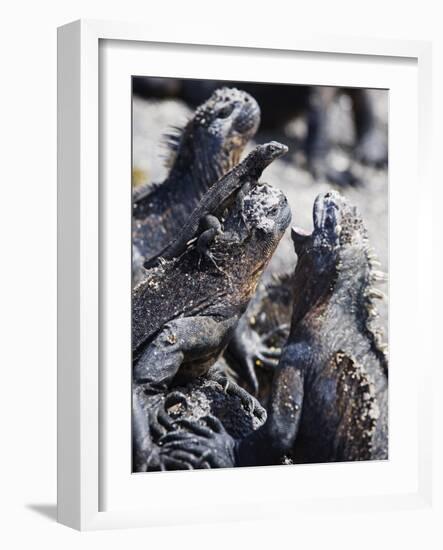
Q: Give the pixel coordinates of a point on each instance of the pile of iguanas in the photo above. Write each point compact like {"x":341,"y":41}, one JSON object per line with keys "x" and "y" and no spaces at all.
{"x":231,"y":371}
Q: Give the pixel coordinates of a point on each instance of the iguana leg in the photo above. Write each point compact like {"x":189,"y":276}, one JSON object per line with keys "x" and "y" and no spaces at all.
{"x":144,"y":451}
{"x":212,"y":228}
{"x":149,"y":456}
{"x":276,"y":437}
{"x":186,"y":340}
{"x":248,"y":401}
{"x":142,"y":446}
{"x":183,"y":340}
{"x":286,"y":400}
{"x":249,"y":349}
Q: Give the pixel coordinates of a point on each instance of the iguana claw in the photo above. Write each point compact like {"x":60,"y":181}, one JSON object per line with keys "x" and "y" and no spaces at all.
{"x":199,"y":444}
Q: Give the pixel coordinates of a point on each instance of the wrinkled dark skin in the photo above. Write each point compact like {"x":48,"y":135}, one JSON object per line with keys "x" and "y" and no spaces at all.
{"x":208,"y":147}
{"x":212,"y":448}
{"x":178,"y":339}
{"x":329,"y":392}
{"x":237,"y":181}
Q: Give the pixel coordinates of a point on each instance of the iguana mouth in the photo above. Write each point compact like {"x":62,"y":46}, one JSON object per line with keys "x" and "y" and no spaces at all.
{"x":339,"y":216}
{"x":327,"y":225}
{"x":336,"y":224}
{"x":327,"y":218}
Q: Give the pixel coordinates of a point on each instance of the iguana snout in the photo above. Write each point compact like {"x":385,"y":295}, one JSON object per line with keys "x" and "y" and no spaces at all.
{"x":266,"y":208}
{"x":229,"y":113}
{"x":336,"y":224}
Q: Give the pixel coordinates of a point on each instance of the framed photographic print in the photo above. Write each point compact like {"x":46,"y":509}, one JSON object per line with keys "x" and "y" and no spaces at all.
{"x":233,"y":272}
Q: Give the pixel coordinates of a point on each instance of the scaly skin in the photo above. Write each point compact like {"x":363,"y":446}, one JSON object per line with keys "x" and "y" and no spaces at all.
{"x":245,"y":174}
{"x":208,"y":147}
{"x":329,"y":397}
{"x":185,"y":310}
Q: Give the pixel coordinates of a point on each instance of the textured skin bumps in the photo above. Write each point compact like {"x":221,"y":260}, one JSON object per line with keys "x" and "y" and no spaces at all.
{"x":340,"y":383}
{"x":329,"y":392}
{"x":208,"y":147}
{"x":185,"y":310}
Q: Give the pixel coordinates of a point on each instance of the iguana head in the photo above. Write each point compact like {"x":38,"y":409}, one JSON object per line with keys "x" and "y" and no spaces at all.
{"x":336,"y":260}
{"x":261,"y":157}
{"x":266,"y":213}
{"x":213,"y":140}
{"x":337,"y":225}
{"x":252,"y":230}
{"x":256,"y":218}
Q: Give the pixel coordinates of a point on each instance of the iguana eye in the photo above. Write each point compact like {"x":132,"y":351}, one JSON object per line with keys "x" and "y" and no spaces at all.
{"x":225,"y":111}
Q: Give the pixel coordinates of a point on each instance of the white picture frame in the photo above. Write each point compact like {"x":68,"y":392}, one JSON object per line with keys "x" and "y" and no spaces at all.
{"x":84,"y":443}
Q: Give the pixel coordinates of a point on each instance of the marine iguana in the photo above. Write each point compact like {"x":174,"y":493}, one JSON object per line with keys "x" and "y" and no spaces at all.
{"x":329,"y":397}
{"x":184,"y":313}
{"x":205,"y":402}
{"x":241,"y":177}
{"x":210,"y":144}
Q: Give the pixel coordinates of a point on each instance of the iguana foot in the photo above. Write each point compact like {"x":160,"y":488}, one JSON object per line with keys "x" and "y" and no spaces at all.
{"x":159,"y":421}
{"x":212,"y":228}
{"x":249,"y":403}
{"x":263,"y":353}
{"x":202,"y":444}
{"x":249,"y":350}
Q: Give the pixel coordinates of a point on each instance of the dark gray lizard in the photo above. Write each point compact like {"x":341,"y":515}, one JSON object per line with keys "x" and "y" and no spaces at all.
{"x":244,"y":175}
{"x":329,"y":395}
{"x":210,"y":144}
{"x":204,"y":401}
{"x":329,"y":399}
{"x":184,"y":314}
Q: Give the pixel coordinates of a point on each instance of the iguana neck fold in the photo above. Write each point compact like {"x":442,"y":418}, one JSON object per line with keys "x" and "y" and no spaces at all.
{"x":345,"y":281}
